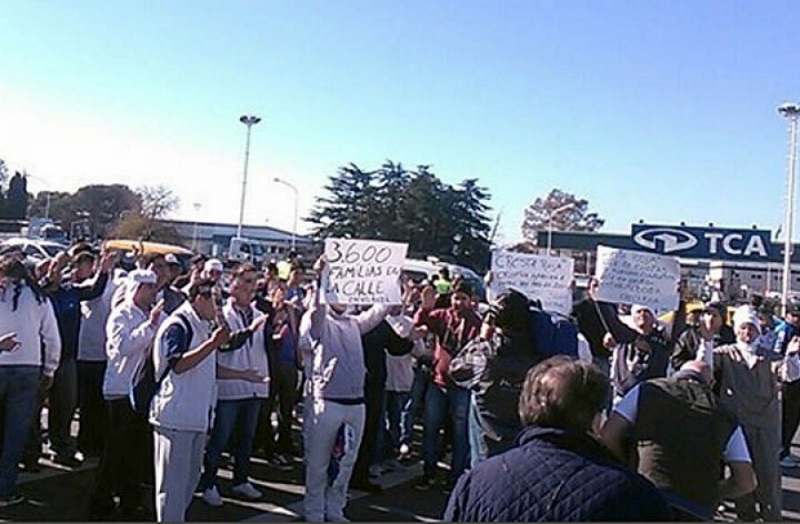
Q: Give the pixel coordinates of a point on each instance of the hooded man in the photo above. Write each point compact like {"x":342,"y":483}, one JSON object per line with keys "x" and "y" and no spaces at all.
{"x":748,"y":388}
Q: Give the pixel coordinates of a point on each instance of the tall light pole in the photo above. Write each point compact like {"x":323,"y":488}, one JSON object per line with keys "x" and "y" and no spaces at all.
{"x":294,"y":227}
{"x":791,"y":111}
{"x":249,"y":121}
{"x":550,"y":215}
{"x":197,"y":207}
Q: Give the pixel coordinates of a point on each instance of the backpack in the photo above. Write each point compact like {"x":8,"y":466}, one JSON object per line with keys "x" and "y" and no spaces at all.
{"x":144,"y":385}
{"x":553,"y":335}
{"x":500,"y":386}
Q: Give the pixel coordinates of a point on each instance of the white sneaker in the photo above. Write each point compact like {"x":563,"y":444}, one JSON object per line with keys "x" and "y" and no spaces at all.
{"x":211,"y":497}
{"x":247,"y":491}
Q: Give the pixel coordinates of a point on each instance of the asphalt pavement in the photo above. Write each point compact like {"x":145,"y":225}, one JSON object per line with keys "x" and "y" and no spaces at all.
{"x":62,"y":494}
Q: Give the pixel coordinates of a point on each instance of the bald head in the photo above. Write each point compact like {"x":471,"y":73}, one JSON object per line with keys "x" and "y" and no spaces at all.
{"x":699,"y":367}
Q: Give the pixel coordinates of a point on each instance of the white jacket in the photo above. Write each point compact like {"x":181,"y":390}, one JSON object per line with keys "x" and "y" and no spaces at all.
{"x":36,"y":328}
{"x":95,"y":313}
{"x":185,"y":401}
{"x":130,"y":338}
{"x":252,"y":355}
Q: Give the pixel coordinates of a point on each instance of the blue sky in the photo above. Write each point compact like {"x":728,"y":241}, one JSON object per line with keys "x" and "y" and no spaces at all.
{"x":657,"y":110}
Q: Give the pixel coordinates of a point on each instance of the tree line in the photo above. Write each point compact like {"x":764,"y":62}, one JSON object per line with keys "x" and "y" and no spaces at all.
{"x":435,"y":218}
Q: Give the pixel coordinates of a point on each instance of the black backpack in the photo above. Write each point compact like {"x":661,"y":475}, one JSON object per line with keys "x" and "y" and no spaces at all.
{"x":500,"y":385}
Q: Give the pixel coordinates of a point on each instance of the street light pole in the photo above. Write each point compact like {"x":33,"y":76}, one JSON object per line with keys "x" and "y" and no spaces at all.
{"x":294,"y":226}
{"x":791,"y":111}
{"x":249,"y":121}
{"x":550,"y":215}
{"x":197,"y":207}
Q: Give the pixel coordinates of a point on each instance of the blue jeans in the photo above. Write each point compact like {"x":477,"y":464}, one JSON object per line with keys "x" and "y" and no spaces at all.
{"x":18,"y":402}
{"x":439,"y":402}
{"x":478,"y":449}
{"x":398,"y":411}
{"x":232,"y":415}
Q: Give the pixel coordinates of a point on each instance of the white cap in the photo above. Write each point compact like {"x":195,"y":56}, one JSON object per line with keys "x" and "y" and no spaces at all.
{"x":213,"y":264}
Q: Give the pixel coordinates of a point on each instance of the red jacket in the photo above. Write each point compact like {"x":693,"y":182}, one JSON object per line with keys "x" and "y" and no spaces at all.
{"x":452,"y":331}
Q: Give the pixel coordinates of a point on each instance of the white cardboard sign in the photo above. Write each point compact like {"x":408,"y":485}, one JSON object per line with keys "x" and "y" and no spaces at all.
{"x":541,"y":277}
{"x":637,"y":277}
{"x":363,"y":271}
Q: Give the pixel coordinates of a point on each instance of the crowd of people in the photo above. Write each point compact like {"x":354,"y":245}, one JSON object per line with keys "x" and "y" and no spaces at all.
{"x":632,"y":419}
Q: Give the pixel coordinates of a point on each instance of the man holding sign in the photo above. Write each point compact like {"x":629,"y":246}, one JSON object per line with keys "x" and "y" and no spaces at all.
{"x":648,"y":281}
{"x":350,"y":272}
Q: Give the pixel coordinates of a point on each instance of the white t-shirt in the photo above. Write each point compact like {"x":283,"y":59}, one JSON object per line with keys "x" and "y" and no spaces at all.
{"x":735,"y":450}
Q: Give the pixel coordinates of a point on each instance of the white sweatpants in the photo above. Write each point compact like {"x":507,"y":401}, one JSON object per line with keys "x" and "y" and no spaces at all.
{"x":178,"y":461}
{"x":322,"y":420}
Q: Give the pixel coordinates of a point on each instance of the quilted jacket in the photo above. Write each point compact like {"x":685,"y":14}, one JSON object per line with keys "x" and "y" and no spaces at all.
{"x":554,"y":475}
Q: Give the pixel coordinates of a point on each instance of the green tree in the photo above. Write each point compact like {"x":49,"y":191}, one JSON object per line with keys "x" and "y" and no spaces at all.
{"x":416,"y":207}
{"x":98,"y":207}
{"x":562,"y":211}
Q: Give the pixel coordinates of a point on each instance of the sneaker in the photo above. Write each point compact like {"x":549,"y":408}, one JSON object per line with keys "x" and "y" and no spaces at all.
{"x":212,"y":498}
{"x":789,"y":462}
{"x":247,"y":491}
{"x":11,"y":500}
{"x":405,"y":451}
{"x":425,"y":483}
{"x":70,"y":461}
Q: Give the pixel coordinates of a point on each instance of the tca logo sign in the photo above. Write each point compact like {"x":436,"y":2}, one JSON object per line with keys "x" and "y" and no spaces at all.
{"x":701,"y":243}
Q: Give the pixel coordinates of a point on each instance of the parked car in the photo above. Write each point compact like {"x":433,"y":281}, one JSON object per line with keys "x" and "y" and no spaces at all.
{"x":36,"y":250}
{"x":419,"y":270}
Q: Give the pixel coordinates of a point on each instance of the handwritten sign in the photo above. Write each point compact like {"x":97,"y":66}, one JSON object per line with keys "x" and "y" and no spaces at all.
{"x":363,"y":271}
{"x":636,"y":277}
{"x":544,"y":278}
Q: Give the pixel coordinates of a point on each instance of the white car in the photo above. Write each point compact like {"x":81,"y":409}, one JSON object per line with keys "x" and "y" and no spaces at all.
{"x":36,"y":249}
{"x":418,"y":270}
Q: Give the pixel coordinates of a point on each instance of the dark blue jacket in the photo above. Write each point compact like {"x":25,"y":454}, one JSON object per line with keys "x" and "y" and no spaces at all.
{"x":554,"y":475}
{"x":67,"y":298}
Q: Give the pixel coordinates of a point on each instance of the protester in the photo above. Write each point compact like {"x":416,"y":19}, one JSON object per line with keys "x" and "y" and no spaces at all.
{"x":334,"y":398}
{"x":284,"y":357}
{"x":749,"y":389}
{"x":595,"y":321}
{"x":131,"y":329}
{"x":27,"y":364}
{"x":790,"y":388}
{"x":376,"y":342}
{"x":558,"y":471}
{"x":645,"y":357}
{"x":242,"y":382}
{"x":667,"y":420}
{"x":63,"y":396}
{"x":181,"y":411}
{"x":698,"y":342}
{"x":453,"y":328}
{"x":92,"y":362}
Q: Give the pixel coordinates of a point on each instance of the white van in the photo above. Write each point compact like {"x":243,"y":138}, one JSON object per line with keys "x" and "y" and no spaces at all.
{"x":246,"y":250}
{"x":418,"y":270}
